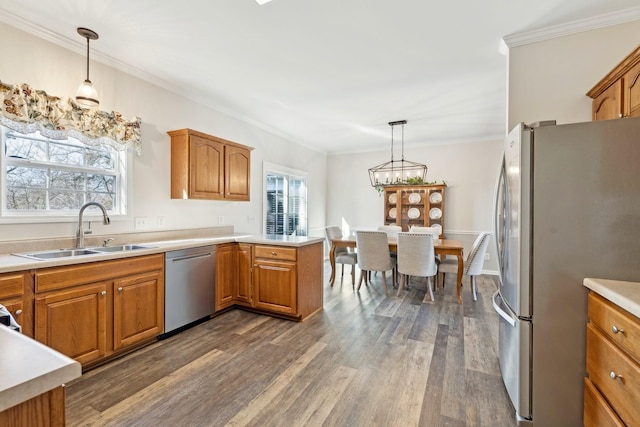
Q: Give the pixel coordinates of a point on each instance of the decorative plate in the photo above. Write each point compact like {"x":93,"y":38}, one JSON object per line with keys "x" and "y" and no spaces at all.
{"x":393,"y":198}
{"x":435,"y":213}
{"x":413,"y":213}
{"x":438,"y":226}
{"x":435,"y":197}
{"x":414,"y":198}
{"x":392,"y":213}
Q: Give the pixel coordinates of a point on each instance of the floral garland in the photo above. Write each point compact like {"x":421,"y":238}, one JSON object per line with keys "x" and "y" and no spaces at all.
{"x":27,"y":110}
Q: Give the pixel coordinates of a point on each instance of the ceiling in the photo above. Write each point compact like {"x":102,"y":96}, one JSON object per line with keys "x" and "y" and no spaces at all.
{"x":329,"y":74}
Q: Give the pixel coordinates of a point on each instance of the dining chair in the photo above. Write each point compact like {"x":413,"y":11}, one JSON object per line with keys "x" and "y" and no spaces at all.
{"x":472,"y":265}
{"x":416,"y":257}
{"x":391,"y":230}
{"x":342,"y":255}
{"x":435,"y":231}
{"x":374,"y":255}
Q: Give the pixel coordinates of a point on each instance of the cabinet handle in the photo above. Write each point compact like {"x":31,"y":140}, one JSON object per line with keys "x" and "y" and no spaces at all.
{"x":18,"y":312}
{"x":103,"y":293}
{"x":120,"y":289}
{"x":615,"y":330}
{"x":615,"y":376}
{"x":274,"y":253}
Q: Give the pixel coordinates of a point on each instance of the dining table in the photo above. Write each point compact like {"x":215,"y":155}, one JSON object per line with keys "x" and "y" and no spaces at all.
{"x":443,"y":248}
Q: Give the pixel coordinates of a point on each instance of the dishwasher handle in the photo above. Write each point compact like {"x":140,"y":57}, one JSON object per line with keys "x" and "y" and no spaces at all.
{"x":208,"y":254}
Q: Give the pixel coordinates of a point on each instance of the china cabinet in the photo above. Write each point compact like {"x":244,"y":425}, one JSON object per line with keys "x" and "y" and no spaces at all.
{"x":617,"y":95}
{"x":420,"y":205}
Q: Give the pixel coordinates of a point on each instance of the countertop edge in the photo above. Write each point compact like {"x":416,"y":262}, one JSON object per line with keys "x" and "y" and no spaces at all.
{"x":11,"y":263}
{"x":23,"y":387}
{"x":626,"y":295}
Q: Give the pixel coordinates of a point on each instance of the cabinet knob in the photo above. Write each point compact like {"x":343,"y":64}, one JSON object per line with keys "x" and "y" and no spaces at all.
{"x":18,"y":312}
{"x":274,"y":253}
{"x":615,"y":376}
{"x":103,"y":293}
{"x":120,"y":289}
{"x":615,"y":330}
{"x":620,"y":115}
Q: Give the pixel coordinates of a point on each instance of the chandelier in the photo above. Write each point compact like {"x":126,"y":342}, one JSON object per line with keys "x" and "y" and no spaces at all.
{"x":397,"y":172}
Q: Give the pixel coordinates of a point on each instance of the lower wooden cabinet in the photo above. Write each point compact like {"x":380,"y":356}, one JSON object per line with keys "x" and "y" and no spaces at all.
{"x":275,"y":286}
{"x":16,"y":294}
{"x":281,"y":280}
{"x":91,"y":311}
{"x":74,"y":321}
{"x":612,"y":389}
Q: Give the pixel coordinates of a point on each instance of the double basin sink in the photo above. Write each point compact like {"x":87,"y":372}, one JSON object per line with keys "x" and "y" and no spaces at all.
{"x":67,"y":253}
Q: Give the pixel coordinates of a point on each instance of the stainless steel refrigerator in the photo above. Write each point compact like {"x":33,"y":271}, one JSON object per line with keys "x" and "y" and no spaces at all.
{"x":567,"y":207}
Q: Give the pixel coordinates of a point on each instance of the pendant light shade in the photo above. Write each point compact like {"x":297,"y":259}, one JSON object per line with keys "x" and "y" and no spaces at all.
{"x":87,"y":95}
{"x":397,"y":172}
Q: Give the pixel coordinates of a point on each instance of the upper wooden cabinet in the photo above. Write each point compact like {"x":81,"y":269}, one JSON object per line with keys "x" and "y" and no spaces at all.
{"x":209,"y":168}
{"x":420,"y":205}
{"x":617,"y":95}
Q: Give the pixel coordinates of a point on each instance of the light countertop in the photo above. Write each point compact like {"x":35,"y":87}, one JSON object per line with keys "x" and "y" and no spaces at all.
{"x":624,"y":294}
{"x":29,"y":368}
{"x":9,"y":263}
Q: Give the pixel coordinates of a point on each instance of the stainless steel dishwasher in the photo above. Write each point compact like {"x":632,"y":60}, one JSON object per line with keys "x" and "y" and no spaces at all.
{"x":190,"y":283}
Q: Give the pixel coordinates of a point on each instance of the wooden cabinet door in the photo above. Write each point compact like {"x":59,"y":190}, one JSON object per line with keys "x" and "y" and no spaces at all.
{"x":138,"y":309}
{"x":206,"y":163}
{"x":275,"y":286}
{"x":237,"y":173}
{"x":632,"y":92}
{"x":74,"y":321}
{"x":609,"y":104}
{"x":244,"y":258}
{"x":225,"y":275}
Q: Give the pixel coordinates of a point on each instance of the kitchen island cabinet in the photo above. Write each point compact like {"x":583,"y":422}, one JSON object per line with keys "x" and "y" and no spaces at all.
{"x":16,"y":294}
{"x":92,"y":311}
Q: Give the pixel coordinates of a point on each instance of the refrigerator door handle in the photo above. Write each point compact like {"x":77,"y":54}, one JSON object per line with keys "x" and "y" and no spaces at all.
{"x":500,"y":217}
{"x":500,"y":311}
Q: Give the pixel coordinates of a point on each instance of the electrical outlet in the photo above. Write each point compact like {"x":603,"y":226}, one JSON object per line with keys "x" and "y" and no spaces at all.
{"x":220,"y":219}
{"x":141,"y":223}
{"x":251,"y":219}
{"x":487,"y":257}
{"x":161,"y":222}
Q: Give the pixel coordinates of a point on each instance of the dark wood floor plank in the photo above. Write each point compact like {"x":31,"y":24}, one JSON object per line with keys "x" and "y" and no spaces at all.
{"x":367,"y":359}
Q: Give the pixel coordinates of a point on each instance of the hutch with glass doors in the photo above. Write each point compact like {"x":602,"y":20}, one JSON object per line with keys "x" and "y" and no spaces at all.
{"x":420,"y":205}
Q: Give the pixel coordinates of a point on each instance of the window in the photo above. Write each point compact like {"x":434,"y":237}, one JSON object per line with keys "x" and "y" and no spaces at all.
{"x":46,"y":177}
{"x":285,"y":201}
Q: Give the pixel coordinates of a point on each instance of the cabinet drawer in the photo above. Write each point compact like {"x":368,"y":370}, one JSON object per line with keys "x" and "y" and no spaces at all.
{"x":611,"y":318}
{"x":275,"y":252}
{"x":11,"y":285}
{"x":597,"y":412}
{"x":15,"y":307}
{"x":604,"y":360}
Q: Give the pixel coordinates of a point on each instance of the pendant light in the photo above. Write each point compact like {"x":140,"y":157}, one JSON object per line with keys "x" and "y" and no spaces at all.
{"x":397,"y":172}
{"x":87,"y":95}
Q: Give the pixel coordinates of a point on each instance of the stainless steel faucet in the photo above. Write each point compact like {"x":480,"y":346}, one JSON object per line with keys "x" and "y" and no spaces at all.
{"x":80,"y":233}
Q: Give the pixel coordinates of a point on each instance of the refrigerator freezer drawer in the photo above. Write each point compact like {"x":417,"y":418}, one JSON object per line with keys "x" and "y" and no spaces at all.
{"x":515,"y":357}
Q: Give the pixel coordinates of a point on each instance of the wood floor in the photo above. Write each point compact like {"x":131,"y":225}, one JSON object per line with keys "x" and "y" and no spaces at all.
{"x":365,"y":360}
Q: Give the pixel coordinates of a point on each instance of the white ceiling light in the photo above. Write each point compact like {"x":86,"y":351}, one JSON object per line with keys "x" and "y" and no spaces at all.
{"x":261,"y":2}
{"x":87,"y":95}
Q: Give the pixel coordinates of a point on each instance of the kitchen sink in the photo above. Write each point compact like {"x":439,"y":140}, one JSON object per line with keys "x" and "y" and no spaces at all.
{"x":120,"y":248}
{"x":58,"y":253}
{"x":67,"y":253}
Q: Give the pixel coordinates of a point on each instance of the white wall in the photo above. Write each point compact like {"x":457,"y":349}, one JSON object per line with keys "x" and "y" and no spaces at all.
{"x":58,"y":71}
{"x":470,"y":171}
{"x":549,"y":80}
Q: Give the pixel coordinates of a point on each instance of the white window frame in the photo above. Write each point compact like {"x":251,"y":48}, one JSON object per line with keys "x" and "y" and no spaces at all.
{"x":124,"y":172}
{"x":275,"y":169}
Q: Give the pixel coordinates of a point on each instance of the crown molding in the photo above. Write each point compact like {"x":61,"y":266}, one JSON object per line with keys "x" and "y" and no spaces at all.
{"x":573,"y":27}
{"x":80,"y":47}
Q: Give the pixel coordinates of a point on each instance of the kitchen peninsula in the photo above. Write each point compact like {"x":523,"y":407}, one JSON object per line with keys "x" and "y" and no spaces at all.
{"x":117,"y":298}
